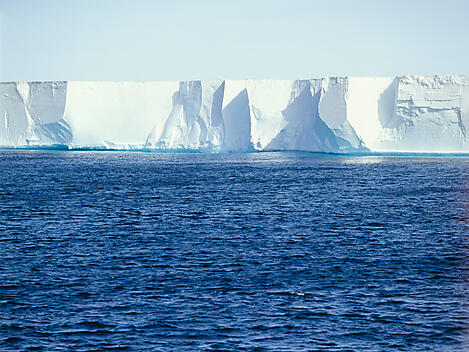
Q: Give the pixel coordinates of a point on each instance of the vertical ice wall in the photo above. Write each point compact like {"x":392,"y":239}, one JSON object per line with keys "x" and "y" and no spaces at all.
{"x":32,"y":114}
{"x":364,"y":106}
{"x":236,"y":117}
{"x":117,"y":114}
{"x":14,"y":120}
{"x":428,"y":114}
{"x":195,"y":120}
{"x":333,"y":110}
{"x":284,"y":116}
{"x":337,"y":114}
{"x":465,"y":106}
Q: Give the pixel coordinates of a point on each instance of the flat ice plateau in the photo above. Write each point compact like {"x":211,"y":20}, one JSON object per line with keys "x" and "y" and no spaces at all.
{"x":333,"y":115}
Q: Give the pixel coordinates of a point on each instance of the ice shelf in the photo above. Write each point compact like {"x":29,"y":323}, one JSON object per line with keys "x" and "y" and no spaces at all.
{"x":335,"y":114}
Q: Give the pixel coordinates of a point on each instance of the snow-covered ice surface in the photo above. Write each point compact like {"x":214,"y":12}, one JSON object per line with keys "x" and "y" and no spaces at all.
{"x":335,"y":114}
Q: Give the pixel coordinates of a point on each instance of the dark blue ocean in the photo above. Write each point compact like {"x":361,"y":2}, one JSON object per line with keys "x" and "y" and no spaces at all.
{"x":122,"y":251}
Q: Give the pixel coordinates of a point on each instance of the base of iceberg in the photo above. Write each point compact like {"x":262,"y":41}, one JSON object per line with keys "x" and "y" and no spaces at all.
{"x":330,"y":115}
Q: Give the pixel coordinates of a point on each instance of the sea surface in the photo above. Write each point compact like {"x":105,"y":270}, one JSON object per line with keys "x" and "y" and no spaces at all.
{"x":122,"y":251}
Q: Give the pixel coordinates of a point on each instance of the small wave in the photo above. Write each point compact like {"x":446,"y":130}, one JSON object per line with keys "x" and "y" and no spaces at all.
{"x":295,"y":153}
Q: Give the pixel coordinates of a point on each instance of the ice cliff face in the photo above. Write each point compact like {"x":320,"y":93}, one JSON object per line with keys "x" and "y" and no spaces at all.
{"x":424,"y":114}
{"x":337,"y":114}
{"x":285,"y":116}
{"x":32,"y":114}
{"x":196,"y":119}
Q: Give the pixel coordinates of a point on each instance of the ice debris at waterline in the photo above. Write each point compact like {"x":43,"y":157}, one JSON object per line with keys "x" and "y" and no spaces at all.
{"x":337,"y":114}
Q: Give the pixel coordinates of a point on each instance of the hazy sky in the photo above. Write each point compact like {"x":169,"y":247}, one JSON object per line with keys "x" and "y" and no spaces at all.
{"x":235,"y":39}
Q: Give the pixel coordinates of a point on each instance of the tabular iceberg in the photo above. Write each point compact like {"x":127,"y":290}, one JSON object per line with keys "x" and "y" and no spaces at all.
{"x":336,"y":114}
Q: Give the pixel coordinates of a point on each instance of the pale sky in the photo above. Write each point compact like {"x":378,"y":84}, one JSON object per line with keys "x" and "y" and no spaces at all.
{"x":236,"y":39}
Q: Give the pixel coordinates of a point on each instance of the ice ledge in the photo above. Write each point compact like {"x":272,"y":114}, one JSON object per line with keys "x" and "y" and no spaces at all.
{"x":334,"y":115}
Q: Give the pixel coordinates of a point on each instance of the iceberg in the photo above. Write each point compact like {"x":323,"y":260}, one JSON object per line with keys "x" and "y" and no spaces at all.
{"x":333,"y":115}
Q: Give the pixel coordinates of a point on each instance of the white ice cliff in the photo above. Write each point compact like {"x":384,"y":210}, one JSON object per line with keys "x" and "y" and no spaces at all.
{"x":337,"y":114}
{"x":196,"y":119}
{"x":32,"y":114}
